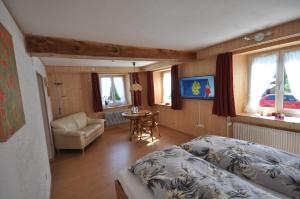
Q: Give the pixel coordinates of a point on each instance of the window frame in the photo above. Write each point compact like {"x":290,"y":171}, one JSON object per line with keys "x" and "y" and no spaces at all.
{"x":111,"y":76}
{"x":279,"y":87}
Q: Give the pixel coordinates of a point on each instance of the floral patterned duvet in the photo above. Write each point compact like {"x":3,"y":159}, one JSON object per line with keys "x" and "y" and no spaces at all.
{"x":269,"y":167}
{"x":176,"y":173}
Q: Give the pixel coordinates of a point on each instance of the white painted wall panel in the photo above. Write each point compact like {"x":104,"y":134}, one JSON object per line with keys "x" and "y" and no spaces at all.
{"x":24,"y":164}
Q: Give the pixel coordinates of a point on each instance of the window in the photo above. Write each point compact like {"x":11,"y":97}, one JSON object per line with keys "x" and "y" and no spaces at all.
{"x":275,"y":82}
{"x":112,"y":91}
{"x":167,"y":87}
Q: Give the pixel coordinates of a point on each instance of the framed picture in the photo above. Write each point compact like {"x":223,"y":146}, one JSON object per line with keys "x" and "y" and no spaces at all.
{"x":11,"y":108}
{"x":202,"y":87}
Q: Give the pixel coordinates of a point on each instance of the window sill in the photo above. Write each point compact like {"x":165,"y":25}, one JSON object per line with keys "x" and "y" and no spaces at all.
{"x":117,"y":107}
{"x":285,"y":119}
{"x":163,"y":104}
{"x":287,"y":123}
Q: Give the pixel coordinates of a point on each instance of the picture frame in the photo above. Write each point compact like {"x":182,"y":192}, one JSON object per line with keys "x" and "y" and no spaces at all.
{"x":198,"y":87}
{"x":11,"y":105}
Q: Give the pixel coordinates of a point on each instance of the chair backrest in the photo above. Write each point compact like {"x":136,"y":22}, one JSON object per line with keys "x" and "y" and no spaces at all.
{"x":155,"y":118}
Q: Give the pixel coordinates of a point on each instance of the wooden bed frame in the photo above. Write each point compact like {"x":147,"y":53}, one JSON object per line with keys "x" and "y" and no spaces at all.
{"x":120,"y":191}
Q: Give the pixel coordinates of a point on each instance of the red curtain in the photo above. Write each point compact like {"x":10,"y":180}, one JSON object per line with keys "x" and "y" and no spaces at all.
{"x":137,"y":95}
{"x":97,"y":101}
{"x":175,"y":89}
{"x":150,"y":88}
{"x":224,"y":96}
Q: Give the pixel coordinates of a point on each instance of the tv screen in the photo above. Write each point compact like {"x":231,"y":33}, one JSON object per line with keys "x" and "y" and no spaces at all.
{"x":198,"y":87}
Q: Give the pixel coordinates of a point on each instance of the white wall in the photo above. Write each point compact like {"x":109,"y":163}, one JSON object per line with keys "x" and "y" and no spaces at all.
{"x":24,"y":164}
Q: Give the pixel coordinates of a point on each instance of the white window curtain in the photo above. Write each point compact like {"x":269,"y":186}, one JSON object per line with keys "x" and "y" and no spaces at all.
{"x":292,"y":68}
{"x":119,"y":89}
{"x":105,"y":85}
{"x":167,"y":87}
{"x":263,"y":70}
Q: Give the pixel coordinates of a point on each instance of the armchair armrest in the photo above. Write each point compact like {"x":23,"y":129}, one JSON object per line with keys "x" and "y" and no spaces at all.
{"x":68,"y":133}
{"x":95,"y":121}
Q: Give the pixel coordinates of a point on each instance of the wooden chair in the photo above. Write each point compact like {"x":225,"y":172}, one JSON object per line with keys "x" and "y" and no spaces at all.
{"x":150,"y":123}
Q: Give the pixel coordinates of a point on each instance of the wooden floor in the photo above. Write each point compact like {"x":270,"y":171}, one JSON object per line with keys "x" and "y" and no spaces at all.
{"x":92,"y":175}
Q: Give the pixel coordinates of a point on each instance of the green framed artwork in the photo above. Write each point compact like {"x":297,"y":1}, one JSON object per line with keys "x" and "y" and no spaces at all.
{"x":11,"y":108}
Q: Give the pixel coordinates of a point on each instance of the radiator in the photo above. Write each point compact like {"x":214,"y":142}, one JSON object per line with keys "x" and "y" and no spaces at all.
{"x":114,"y":118}
{"x":285,"y":140}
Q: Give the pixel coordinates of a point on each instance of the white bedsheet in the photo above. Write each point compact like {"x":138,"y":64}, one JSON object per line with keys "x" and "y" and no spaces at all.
{"x":132,"y":186}
{"x":134,"y":189}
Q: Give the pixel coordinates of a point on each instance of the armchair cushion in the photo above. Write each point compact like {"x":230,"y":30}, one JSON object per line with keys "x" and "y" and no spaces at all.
{"x":90,"y":129}
{"x":95,"y":121}
{"x":66,"y":124}
{"x":80,"y":119}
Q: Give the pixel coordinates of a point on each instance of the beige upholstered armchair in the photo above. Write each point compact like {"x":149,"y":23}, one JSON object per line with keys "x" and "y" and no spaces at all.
{"x":76,"y":131}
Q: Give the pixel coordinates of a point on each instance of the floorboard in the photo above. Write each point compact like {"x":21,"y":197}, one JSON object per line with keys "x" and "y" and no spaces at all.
{"x":92,"y":175}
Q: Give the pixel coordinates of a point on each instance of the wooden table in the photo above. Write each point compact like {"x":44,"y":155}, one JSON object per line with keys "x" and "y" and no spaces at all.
{"x":135,"y":118}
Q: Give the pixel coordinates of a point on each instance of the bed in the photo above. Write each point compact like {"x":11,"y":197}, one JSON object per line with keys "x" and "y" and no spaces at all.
{"x":156,"y":174}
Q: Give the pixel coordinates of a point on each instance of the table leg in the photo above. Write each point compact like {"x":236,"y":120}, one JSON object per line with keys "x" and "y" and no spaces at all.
{"x":130,"y":130}
{"x":140,"y":129}
{"x":134,"y":128}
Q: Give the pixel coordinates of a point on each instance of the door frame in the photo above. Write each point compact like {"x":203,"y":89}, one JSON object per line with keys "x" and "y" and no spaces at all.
{"x":46,"y":122}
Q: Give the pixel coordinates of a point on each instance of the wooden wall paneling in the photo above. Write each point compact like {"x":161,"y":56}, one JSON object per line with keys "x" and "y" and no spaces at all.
{"x":186,"y":120}
{"x":53,"y":93}
{"x":240,"y":81}
{"x":87,"y":94}
{"x":158,"y":86}
{"x":69,"y":94}
{"x":279,"y":32}
{"x":143,"y":82}
{"x":282,"y":43}
{"x":194,"y":111}
{"x":75,"y":93}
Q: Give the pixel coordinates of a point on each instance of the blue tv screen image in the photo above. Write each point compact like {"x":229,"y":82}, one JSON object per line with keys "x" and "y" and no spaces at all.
{"x":198,"y":87}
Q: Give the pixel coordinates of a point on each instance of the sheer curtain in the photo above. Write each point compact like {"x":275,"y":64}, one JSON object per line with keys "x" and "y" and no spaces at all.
{"x":118,"y":83}
{"x":292,"y":68}
{"x":166,"y":87}
{"x":106,"y":90}
{"x":263,"y":70}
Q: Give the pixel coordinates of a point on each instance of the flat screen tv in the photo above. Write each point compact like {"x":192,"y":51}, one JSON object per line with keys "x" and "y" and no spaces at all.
{"x":198,"y":87}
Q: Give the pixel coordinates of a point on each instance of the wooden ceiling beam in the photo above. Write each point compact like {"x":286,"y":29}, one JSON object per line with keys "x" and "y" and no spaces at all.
{"x":160,"y":65}
{"x":90,"y":69}
{"x":42,"y":46}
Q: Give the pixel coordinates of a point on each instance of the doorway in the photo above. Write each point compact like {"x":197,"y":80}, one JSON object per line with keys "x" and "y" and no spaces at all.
{"x":48,"y":135}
